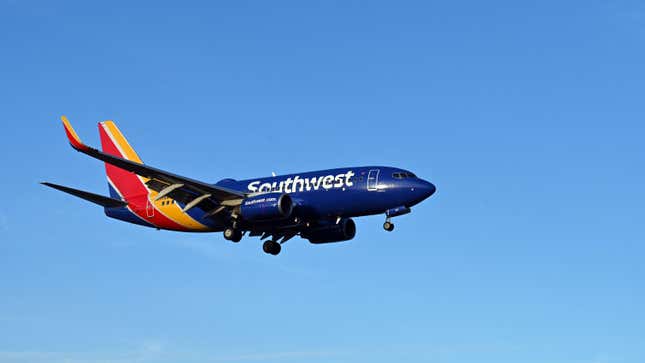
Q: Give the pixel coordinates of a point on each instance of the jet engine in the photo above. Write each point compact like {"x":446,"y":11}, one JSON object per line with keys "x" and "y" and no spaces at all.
{"x":344,"y":230}
{"x":266,"y":207}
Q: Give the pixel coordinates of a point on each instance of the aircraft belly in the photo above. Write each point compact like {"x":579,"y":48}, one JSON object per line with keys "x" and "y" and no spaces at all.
{"x":334,"y":203}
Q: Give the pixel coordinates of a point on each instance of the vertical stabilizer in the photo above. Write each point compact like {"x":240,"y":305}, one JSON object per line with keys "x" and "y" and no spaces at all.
{"x":123,"y":184}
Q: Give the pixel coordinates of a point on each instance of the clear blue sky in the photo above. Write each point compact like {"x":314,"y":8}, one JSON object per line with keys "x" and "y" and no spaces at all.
{"x":528,"y":116}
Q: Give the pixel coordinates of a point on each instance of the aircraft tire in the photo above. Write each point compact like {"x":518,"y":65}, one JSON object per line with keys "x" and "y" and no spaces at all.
{"x":229,"y":233}
{"x":271,"y":247}
{"x":276,"y":248}
{"x":388,"y":226}
{"x":237,"y":236}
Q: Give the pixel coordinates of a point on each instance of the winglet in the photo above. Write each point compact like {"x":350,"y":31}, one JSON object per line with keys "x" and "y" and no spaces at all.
{"x":74,"y":140}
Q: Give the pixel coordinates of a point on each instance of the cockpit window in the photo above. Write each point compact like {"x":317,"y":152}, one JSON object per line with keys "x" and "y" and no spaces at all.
{"x":403,"y":175}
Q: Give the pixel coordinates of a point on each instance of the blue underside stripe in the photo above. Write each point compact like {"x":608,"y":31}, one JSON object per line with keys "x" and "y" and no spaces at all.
{"x":123,"y":213}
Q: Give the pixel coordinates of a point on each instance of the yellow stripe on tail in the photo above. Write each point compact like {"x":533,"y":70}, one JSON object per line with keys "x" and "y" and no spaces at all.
{"x":126,"y":149}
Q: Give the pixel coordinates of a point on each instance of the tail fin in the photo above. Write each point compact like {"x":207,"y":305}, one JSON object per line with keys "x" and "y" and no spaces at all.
{"x":123,"y":184}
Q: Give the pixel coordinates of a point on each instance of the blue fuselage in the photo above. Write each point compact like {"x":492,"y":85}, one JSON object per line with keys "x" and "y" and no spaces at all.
{"x":343,"y":192}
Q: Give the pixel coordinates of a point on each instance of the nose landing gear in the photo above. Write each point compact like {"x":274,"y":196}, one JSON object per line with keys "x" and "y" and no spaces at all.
{"x":388,"y":226}
{"x":394,"y":212}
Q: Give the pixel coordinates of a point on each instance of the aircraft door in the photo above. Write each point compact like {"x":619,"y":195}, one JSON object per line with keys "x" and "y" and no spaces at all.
{"x":372,"y":179}
{"x":150,"y":209}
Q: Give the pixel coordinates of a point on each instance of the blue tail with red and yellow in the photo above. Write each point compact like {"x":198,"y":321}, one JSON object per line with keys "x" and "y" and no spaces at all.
{"x":143,"y":207}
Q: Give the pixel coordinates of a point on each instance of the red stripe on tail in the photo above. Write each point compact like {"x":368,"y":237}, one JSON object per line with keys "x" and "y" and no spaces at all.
{"x":131,"y":187}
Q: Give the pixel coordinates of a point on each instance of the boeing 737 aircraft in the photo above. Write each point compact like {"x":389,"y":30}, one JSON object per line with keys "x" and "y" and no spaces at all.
{"x":318,"y":206}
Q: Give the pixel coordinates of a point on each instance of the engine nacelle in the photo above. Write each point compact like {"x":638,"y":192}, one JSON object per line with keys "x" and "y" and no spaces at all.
{"x":332,"y":232}
{"x":266,"y":207}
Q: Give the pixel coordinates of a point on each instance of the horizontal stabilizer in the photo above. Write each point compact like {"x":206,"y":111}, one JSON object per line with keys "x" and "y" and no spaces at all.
{"x":94,"y":198}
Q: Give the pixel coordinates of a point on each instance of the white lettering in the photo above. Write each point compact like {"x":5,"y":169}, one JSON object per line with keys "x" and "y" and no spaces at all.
{"x":253,"y":186}
{"x":286,"y":185}
{"x":299,"y":184}
{"x":297,"y":181}
{"x":339,"y":181}
{"x":348,"y":178}
{"x":261,"y":200}
{"x":327,"y":181}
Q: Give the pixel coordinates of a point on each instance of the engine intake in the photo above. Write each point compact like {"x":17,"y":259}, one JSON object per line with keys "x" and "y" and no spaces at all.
{"x":265,"y":207}
{"x":332,"y":232}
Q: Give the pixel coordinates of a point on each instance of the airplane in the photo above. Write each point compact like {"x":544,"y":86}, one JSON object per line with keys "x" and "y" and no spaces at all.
{"x":317,"y":206}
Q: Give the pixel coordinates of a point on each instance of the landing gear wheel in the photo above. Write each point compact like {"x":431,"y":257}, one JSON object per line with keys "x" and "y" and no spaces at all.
{"x":230,"y":233}
{"x":271,"y":247}
{"x":388,"y":226}
{"x":237,"y":236}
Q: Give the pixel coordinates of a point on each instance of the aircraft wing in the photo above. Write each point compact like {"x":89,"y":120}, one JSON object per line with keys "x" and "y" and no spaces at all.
{"x":189,"y":191}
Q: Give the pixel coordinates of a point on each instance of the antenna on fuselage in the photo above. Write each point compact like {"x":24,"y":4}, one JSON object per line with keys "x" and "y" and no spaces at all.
{"x":273,"y":173}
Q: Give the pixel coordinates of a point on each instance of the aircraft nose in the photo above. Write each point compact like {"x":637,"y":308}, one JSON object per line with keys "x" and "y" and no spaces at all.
{"x":427,"y":188}
{"x":421,"y":190}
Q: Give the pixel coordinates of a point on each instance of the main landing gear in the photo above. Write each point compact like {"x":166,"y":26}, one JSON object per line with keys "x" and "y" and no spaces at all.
{"x":271,"y":247}
{"x":388,"y":225}
{"x":232,"y":234}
